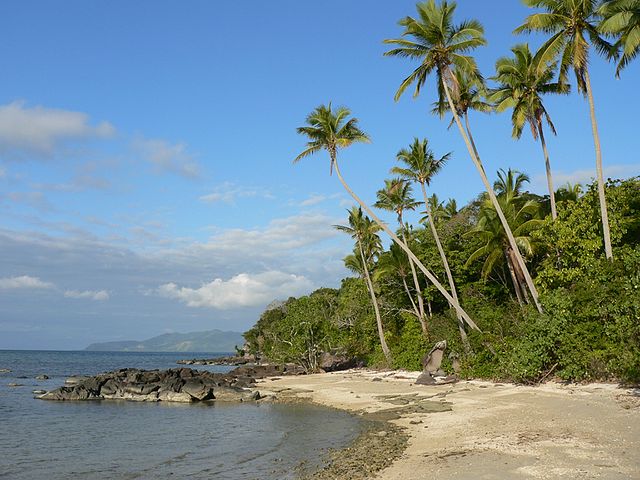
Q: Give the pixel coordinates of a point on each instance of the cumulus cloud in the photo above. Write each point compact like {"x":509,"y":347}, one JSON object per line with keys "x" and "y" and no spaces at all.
{"x":39,"y":130}
{"x":167,"y":157}
{"x":23,"y":282}
{"x":97,"y":295}
{"x":242,"y":290}
{"x":229,"y":192}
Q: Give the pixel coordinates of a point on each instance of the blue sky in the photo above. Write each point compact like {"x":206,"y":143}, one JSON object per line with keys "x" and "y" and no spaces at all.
{"x":146,"y":182}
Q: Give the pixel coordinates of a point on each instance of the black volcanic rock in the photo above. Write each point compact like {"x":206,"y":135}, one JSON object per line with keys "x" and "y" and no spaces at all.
{"x":174,"y":385}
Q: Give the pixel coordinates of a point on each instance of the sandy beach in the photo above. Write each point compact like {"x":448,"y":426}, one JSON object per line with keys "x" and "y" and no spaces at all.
{"x":483,"y":430}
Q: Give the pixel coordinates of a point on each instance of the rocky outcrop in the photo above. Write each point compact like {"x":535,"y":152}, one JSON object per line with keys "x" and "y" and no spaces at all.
{"x":431,"y":371}
{"x":175,"y":385}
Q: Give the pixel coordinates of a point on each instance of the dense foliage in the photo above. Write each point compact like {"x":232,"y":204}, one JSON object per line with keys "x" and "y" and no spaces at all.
{"x":590,"y":328}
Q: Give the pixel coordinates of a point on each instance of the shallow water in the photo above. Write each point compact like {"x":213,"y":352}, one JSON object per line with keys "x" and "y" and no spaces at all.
{"x":129,"y":440}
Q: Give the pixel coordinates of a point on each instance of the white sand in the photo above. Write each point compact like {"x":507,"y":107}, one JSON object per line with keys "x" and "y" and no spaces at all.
{"x":494,"y":431}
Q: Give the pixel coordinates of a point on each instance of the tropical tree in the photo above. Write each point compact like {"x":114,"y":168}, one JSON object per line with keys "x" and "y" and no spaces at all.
{"x":329,"y":130}
{"x":441,"y":46}
{"x":569,"y":192}
{"x":395,"y":263}
{"x":368,"y":244}
{"x":472,"y":92}
{"x":521,"y":86}
{"x":450,"y":209}
{"x":573,"y":28}
{"x":523,"y":217}
{"x":621,"y":18}
{"x":420,"y":165}
{"x":396,"y":196}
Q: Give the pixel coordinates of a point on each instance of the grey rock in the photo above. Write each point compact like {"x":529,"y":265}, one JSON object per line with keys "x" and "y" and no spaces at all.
{"x":14,"y":384}
{"x":431,"y":361}
{"x":42,"y":377}
{"x":4,"y":370}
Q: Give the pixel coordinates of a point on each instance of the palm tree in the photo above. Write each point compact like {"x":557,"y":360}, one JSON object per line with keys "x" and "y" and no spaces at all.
{"x":450,"y":209}
{"x":572,"y":25}
{"x":420,"y":166}
{"x":622,"y":19}
{"x":329,"y":130}
{"x":395,"y":262}
{"x":364,"y":232}
{"x":521,"y":86}
{"x":396,"y":196}
{"x":441,"y":46}
{"x":569,"y":192}
{"x":472,"y":92}
{"x":523,"y":218}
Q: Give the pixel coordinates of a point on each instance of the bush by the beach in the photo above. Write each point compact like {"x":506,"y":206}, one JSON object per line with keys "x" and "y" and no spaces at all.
{"x":590,"y":328}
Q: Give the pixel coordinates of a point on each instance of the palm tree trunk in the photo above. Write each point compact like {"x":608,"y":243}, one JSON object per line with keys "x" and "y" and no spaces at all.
{"x":547,"y":164}
{"x":514,"y":280}
{"x":406,"y":249}
{"x":443,"y":257}
{"x":596,"y":140}
{"x":494,"y":200}
{"x":413,"y":303}
{"x":374,"y":301}
{"x":416,"y":284}
{"x":473,"y":143}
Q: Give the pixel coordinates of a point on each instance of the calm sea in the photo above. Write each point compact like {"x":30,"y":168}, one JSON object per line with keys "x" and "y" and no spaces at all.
{"x":129,"y":440}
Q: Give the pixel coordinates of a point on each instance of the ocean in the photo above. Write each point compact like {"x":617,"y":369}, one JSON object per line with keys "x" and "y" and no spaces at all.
{"x":131,"y":440}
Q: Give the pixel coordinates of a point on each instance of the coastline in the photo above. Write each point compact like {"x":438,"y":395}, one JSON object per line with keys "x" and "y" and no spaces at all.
{"x":477,"y":429}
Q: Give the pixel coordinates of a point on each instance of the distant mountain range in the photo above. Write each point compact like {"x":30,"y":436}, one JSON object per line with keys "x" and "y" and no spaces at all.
{"x":209,"y":341}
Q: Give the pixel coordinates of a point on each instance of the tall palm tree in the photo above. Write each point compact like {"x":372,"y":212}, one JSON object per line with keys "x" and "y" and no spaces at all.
{"x":573,"y":28}
{"x":621,"y":18}
{"x":396,"y":196}
{"x":420,"y":166}
{"x":440,"y":46}
{"x":523,"y":217}
{"x":364,"y":232}
{"x":329,"y":130}
{"x":521,"y":86}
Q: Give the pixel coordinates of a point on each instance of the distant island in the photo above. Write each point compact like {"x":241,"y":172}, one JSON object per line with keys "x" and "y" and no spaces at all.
{"x":209,"y":341}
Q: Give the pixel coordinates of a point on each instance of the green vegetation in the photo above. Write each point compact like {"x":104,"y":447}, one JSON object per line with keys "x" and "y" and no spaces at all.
{"x":534,"y":286}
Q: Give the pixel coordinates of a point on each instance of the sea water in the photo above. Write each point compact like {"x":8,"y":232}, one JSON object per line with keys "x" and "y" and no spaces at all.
{"x":130,"y":440}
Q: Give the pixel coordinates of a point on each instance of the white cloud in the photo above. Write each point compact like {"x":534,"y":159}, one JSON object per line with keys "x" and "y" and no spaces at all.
{"x":229,"y":192}
{"x":98,"y":295}
{"x":39,"y":130}
{"x":167,"y":157}
{"x":584,"y":176}
{"x":242,"y":290}
{"x":35,"y":200}
{"x":23,"y":281}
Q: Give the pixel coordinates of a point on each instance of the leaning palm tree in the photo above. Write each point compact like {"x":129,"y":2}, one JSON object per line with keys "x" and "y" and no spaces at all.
{"x":396,"y":196}
{"x":441,"y":46}
{"x":420,"y":166}
{"x":364,"y":232}
{"x":621,"y":18}
{"x":521,"y":86}
{"x":573,"y":28}
{"x":329,"y":130}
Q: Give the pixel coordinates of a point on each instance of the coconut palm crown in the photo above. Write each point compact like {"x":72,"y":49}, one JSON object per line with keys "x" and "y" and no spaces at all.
{"x":438,"y":44}
{"x":522,"y":82}
{"x":330,"y":130}
{"x":622,"y":19}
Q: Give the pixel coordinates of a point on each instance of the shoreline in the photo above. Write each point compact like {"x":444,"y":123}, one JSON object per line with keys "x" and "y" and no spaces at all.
{"x":476,"y":429}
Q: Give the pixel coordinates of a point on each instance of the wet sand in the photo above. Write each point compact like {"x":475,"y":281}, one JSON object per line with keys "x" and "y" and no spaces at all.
{"x":480,"y":430}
